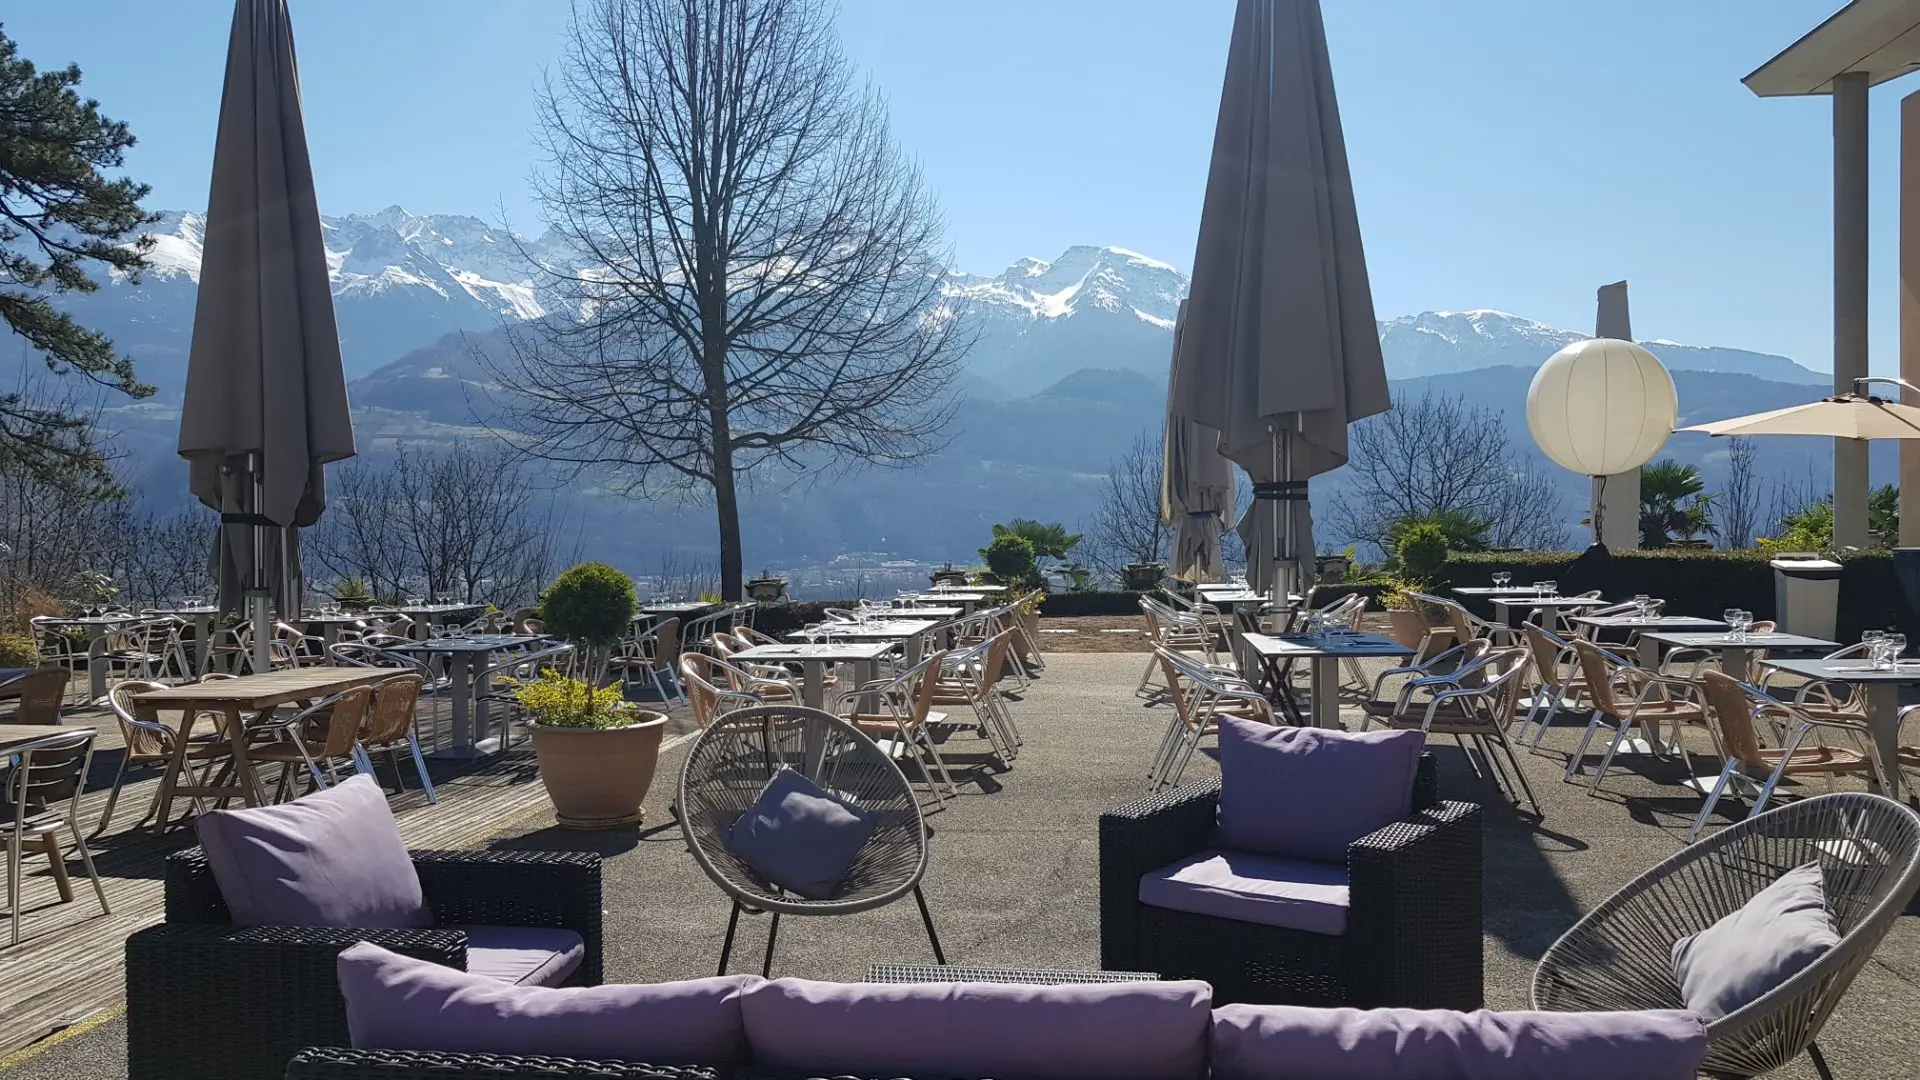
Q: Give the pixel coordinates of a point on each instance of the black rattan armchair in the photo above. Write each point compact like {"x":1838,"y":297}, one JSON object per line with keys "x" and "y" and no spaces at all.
{"x":326,"y":1063}
{"x":1413,"y":929}
{"x":206,"y":998}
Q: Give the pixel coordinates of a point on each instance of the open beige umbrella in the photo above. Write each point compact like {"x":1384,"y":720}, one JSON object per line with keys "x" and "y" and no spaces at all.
{"x":1858,"y":415}
{"x":1281,"y":351}
{"x":266,"y":400}
{"x":1196,"y":489}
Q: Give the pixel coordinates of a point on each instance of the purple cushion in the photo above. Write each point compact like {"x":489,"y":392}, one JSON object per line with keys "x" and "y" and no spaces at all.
{"x":333,"y":858}
{"x":1769,"y":940}
{"x":1307,"y":793}
{"x":799,"y":836}
{"x":528,"y":955}
{"x":1111,"y":1031}
{"x":1310,"y":896}
{"x":399,"y":1003}
{"x":1283,"y":1042}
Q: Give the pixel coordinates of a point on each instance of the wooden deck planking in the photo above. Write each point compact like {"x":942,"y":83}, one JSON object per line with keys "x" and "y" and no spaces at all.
{"x":69,"y":962}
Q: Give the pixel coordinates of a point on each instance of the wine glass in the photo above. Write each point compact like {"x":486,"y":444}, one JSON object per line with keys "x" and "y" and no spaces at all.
{"x":1553,"y":587}
{"x":1895,"y":644}
{"x":1501,"y":579}
{"x":1731,"y":617}
{"x":1539,"y":588}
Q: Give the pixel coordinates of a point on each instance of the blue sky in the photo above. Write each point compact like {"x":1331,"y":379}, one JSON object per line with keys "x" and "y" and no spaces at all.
{"x":1506,"y":153}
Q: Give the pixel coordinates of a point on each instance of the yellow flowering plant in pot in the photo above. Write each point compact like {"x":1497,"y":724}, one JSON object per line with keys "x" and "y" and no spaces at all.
{"x":597,"y":751}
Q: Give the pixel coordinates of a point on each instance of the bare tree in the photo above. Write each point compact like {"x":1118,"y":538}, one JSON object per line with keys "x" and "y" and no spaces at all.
{"x":760,"y":270}
{"x":1126,"y":526}
{"x":362,"y":534}
{"x":164,"y":555}
{"x":1740,"y":499}
{"x":1444,"y":453}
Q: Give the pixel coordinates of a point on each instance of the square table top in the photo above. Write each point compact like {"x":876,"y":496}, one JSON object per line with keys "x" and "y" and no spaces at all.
{"x":1236,"y":596}
{"x":470,"y":643}
{"x":203,"y":609}
{"x":826,"y":652}
{"x":1504,"y":600}
{"x":1853,"y":671}
{"x":1493,"y":590}
{"x":672,"y":607}
{"x":342,"y":617}
{"x":266,"y":690}
{"x":17,"y":737}
{"x":428,"y":609}
{"x":1724,"y":640}
{"x":890,"y":629}
{"x":1649,"y":622}
{"x":969,"y":596}
{"x":95,"y":621}
{"x":922,"y":611}
{"x":969,"y":588}
{"x":1283,"y":646}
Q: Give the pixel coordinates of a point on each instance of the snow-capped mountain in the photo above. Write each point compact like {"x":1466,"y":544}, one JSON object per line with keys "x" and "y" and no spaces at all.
{"x":403,"y":281}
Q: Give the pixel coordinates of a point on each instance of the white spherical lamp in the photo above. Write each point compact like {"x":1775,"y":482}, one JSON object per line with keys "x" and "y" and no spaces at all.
{"x":1601,"y":406}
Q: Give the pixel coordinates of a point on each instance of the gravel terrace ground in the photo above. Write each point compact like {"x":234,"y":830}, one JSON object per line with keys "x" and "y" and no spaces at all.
{"x":1012,"y":881}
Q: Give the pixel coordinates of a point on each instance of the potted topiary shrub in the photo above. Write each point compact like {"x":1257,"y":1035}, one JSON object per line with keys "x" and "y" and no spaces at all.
{"x":767,"y":589}
{"x":947,"y":575}
{"x":352,"y":594}
{"x":591,"y":605}
{"x":1405,"y":624}
{"x":18,"y":651}
{"x":1142,"y":577}
{"x":597,"y":751}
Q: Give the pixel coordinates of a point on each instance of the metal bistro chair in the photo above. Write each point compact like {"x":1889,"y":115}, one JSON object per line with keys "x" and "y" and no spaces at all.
{"x":740,"y":752}
{"x":1654,"y":698}
{"x":317,"y":739}
{"x":45,"y":775}
{"x":1476,"y":700}
{"x":1558,"y":682}
{"x":709,"y":693}
{"x":1732,"y":708}
{"x":391,"y":726}
{"x":1618,"y":956}
{"x":150,"y":742}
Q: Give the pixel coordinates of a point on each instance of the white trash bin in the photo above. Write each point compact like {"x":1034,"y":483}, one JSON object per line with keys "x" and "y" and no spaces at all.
{"x":1806,"y":595}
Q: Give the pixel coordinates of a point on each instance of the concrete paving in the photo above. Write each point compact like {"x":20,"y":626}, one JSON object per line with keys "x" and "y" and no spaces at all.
{"x":1012,"y":881}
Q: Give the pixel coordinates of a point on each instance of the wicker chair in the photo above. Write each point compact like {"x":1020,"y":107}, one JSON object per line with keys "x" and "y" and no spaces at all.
{"x":1413,"y":927}
{"x":42,"y":692}
{"x":277,"y":983}
{"x":1617,"y":957}
{"x":737,"y":754}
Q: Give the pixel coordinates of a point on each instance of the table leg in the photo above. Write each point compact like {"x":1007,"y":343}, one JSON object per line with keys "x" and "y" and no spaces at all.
{"x":460,"y":692}
{"x":1649,"y":654}
{"x":1325,"y":676}
{"x":813,"y":680}
{"x":1733,"y":662}
{"x":97,"y":667}
{"x":912,"y":645}
{"x":170,"y":779}
{"x":202,"y":641}
{"x":1883,"y":722}
{"x":482,"y":714}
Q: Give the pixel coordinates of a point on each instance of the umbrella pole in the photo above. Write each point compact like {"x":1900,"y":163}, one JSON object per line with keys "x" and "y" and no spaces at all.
{"x":257,"y":609}
{"x":1280,"y":581}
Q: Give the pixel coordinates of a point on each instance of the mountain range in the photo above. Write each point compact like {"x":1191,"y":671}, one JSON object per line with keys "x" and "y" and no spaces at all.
{"x":1069,"y":364}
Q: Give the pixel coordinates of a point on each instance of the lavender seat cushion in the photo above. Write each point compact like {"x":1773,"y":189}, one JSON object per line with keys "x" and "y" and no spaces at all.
{"x":1308,"y":793}
{"x":1769,"y":940}
{"x":799,"y":836}
{"x":1291,"y":893}
{"x":1281,"y":1042}
{"x":527,"y":955}
{"x":399,"y":1003}
{"x":333,"y":858}
{"x":1124,"y":1031}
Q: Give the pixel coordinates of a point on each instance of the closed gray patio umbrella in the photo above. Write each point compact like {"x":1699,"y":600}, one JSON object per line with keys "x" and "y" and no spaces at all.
{"x":1280,"y":352}
{"x":1196,"y":490}
{"x":266,"y":400}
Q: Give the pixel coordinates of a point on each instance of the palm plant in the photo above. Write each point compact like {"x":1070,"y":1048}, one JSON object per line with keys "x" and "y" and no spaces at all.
{"x":1464,"y":530}
{"x":1673,"y":504}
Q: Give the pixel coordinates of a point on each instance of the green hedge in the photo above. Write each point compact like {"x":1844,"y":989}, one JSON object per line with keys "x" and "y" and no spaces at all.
{"x":1105,"y":602}
{"x":1705,"y":583}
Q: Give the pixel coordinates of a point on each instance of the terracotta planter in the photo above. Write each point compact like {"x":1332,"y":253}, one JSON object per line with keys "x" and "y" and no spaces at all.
{"x":1407,"y":627}
{"x":1030,"y":618}
{"x":597,"y":778}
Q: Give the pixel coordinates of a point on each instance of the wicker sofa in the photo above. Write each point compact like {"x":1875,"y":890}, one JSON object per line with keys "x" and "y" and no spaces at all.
{"x":208,"y":999}
{"x":1413,"y":926}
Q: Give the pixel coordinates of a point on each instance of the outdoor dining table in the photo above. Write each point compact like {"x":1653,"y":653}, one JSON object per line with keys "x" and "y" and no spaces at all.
{"x":231,"y":700}
{"x":813,"y":660}
{"x":906,"y":632}
{"x":467,"y":658}
{"x":201,"y":617}
{"x":97,"y":628}
{"x":1881,"y":689}
{"x":1511,"y":610}
{"x":658,"y":608}
{"x":968,"y":601}
{"x":929,"y":611}
{"x":1649,"y":646}
{"x":1734,"y":652}
{"x":1324,"y":652}
{"x":427,"y":615}
{"x":990,"y":590}
{"x":329,"y":627}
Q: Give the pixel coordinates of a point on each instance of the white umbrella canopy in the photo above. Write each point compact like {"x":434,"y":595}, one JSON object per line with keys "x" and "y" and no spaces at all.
{"x":1281,"y":351}
{"x":1196,"y":490}
{"x":1849,"y":416}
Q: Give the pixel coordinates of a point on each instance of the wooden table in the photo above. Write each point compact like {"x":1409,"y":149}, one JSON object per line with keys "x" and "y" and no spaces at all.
{"x":230,"y":700}
{"x":1734,"y":651}
{"x":1644,"y":624}
{"x":905,"y":632}
{"x":467,"y":692}
{"x":1881,"y":689}
{"x":813,"y":661}
{"x":1324,"y":651}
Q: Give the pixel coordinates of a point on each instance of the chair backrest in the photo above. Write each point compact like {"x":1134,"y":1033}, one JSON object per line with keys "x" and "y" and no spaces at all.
{"x":346,"y":722}
{"x":145,"y":739}
{"x":1546,"y":648}
{"x":926,"y":684}
{"x":749,"y":637}
{"x":734,"y":757}
{"x":50,"y":772}
{"x":666,"y":642}
{"x":1617,"y":956}
{"x":1730,"y":709}
{"x":703,"y":693}
{"x":396,"y":701}
{"x":1598,"y":671}
{"x":42,"y":692}
{"x":724,"y":644}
